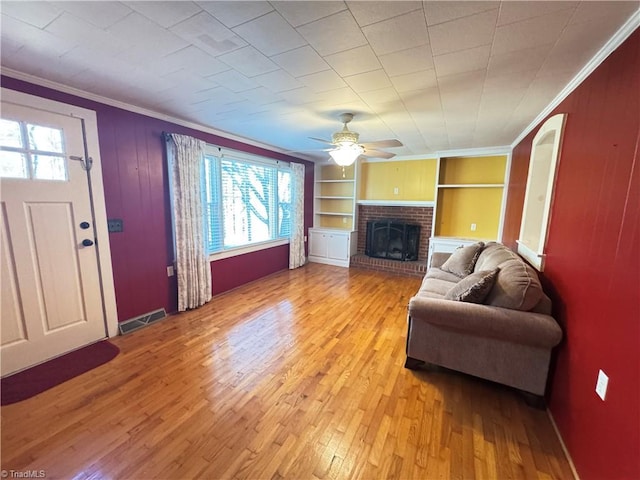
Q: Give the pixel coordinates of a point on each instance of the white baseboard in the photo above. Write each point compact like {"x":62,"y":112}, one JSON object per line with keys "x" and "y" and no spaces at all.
{"x":564,"y":447}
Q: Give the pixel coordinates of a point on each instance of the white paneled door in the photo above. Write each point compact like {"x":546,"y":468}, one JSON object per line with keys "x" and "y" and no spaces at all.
{"x":50,"y":280}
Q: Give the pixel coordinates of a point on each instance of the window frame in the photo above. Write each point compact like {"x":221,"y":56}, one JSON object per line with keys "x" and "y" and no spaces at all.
{"x":219,"y":154}
{"x":539,"y":219}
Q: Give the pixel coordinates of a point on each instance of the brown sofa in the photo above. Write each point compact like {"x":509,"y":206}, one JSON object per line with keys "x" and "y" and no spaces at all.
{"x":482,"y":311}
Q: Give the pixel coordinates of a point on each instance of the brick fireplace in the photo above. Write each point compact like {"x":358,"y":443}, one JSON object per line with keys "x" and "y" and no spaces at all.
{"x":422,"y":216}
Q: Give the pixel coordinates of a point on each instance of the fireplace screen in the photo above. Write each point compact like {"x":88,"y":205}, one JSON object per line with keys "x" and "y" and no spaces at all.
{"x":392,"y":239}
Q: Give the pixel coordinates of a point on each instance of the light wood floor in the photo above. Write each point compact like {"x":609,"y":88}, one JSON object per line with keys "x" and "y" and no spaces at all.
{"x":299,"y":375}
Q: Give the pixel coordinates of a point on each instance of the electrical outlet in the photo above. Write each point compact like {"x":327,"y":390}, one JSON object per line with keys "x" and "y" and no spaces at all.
{"x":170,"y":271}
{"x":396,"y":190}
{"x":473,"y":227}
{"x":601,"y":384}
{"x":305,"y":238}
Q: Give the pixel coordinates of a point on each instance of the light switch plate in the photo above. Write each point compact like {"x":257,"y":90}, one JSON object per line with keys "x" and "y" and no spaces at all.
{"x":601,"y":384}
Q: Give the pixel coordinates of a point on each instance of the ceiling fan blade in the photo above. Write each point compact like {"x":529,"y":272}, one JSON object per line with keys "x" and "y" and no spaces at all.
{"x":377,"y":154}
{"x":383,"y":144}
{"x":321,"y":140}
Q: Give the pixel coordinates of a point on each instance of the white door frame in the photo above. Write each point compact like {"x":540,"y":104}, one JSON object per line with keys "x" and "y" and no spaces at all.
{"x":97,"y":188}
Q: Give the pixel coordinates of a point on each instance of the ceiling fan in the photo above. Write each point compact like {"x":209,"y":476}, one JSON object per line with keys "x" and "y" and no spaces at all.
{"x":346,"y":148}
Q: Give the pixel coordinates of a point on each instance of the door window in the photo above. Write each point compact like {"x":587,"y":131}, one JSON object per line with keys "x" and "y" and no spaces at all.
{"x":31,"y":151}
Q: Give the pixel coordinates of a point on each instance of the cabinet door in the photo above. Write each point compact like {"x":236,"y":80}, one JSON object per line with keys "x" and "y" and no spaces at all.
{"x":338,"y":246}
{"x":317,"y":244}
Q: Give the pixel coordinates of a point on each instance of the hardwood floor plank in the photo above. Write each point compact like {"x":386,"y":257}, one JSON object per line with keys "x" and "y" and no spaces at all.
{"x":297,"y":375}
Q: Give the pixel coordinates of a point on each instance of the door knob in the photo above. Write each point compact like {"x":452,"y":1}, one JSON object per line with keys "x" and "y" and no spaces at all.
{"x":87,"y":243}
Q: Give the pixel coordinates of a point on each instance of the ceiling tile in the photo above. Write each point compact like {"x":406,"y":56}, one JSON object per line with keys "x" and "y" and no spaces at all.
{"x":322,"y":81}
{"x":234,"y":81}
{"x":407,"y":61}
{"x":354,"y":61}
{"x":196,"y":83}
{"x":79,"y":32}
{"x":370,"y":12}
{"x":300,"y":13}
{"x":530,"y":33}
{"x":270,"y":34}
{"x":248,"y":61}
{"x":511,"y":12}
{"x":99,"y":14}
{"x":333,"y":34}
{"x":147,"y":37}
{"x":381,"y":96}
{"x":190,"y":58}
{"x":467,"y":32}
{"x":415,"y":81}
{"x":38,"y":14}
{"x":507,"y":81}
{"x":209,"y":34}
{"x":301,"y":61}
{"x":399,"y":33}
{"x":261,"y":96}
{"x":233,"y":13}
{"x":462,"y":61}
{"x":365,"y":82}
{"x":518,"y":60}
{"x":594,"y":10}
{"x":445,"y":11}
{"x":34,"y":39}
{"x":166,"y":14}
{"x":277,"y":81}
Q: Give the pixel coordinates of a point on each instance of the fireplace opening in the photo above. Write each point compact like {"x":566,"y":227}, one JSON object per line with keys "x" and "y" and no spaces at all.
{"x":392,"y":239}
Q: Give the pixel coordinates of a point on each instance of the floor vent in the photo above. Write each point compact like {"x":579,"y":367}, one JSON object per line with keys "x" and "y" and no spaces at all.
{"x":136,"y":323}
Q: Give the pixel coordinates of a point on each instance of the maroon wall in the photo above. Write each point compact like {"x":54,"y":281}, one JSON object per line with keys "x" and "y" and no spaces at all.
{"x":593,"y":263}
{"x":136,"y":186}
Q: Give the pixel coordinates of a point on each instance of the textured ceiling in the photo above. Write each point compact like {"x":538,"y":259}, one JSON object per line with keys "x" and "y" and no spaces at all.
{"x":435,"y":75}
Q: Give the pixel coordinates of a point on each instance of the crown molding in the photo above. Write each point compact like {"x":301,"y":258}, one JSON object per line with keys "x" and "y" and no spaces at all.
{"x":614,"y":42}
{"x":141,"y":110}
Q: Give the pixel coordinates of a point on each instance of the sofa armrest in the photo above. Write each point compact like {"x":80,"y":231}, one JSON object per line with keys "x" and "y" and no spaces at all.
{"x":438,"y":259}
{"x":526,"y":328}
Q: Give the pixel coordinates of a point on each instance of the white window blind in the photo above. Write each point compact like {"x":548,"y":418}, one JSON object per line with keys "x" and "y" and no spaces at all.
{"x":247,"y":202}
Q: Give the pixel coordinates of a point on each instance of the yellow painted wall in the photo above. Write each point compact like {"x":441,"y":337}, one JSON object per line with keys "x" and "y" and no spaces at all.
{"x":472,"y":170}
{"x":336,"y":205}
{"x":337,"y":189}
{"x":414,"y":179}
{"x":458,"y":208}
{"x":332,"y":221}
{"x":334,"y":172}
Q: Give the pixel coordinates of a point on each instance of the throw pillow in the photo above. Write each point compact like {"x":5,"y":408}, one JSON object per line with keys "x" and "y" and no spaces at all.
{"x":473,"y":288}
{"x":463,"y":260}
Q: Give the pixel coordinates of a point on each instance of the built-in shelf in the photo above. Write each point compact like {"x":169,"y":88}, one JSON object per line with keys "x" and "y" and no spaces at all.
{"x":333,"y":197}
{"x":397,"y":203}
{"x":473,"y":185}
{"x":336,"y":181}
{"x":337,"y":214}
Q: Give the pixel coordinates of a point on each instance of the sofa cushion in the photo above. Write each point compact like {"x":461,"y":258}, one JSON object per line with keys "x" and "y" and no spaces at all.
{"x":474,"y":288}
{"x":463,"y":260}
{"x":436,"y":285}
{"x":516,"y":287}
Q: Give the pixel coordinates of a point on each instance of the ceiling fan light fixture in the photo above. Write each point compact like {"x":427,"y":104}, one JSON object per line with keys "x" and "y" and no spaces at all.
{"x":346,"y":154}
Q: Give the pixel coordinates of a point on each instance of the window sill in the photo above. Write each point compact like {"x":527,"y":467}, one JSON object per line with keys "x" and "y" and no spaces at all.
{"x":237,"y":251}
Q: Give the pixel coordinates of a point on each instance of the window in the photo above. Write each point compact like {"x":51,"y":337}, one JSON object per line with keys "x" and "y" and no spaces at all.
{"x":31,"y":151}
{"x":246,"y":202}
{"x":545,"y":153}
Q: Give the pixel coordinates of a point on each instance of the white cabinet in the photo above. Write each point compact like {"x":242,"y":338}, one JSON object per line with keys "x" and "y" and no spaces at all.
{"x":333,"y":247}
{"x":447,"y":245}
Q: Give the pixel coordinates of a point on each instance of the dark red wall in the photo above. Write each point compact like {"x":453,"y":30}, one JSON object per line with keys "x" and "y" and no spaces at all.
{"x":593,"y":264}
{"x":134,"y":170}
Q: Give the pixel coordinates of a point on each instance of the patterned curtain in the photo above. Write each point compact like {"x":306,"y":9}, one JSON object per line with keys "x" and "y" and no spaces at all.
{"x":297,"y":257}
{"x":192,"y":260}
